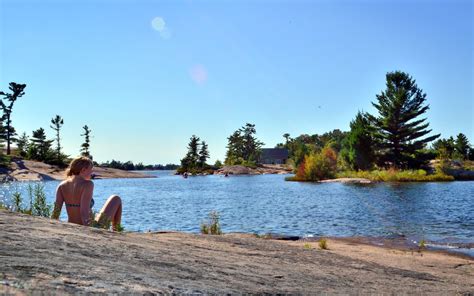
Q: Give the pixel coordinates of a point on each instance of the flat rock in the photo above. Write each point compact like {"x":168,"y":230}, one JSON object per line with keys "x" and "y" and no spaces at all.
{"x":42,"y":256}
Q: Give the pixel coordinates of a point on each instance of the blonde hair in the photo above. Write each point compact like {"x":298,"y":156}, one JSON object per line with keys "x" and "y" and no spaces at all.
{"x":77,"y":164}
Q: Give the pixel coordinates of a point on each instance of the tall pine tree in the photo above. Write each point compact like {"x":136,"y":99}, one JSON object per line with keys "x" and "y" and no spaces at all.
{"x":85,"y":147}
{"x":243,"y":146}
{"x":7,"y":108}
{"x":190,"y":161}
{"x":462,"y":146}
{"x":203,"y":154}
{"x":57,"y":123}
{"x":400,"y":131}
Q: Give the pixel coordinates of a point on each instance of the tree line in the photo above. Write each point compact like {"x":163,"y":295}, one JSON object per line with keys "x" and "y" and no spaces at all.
{"x":37,"y":146}
{"x":130,"y":166}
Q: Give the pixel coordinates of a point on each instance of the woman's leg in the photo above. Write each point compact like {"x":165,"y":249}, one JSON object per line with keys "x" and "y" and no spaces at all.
{"x":111,"y":211}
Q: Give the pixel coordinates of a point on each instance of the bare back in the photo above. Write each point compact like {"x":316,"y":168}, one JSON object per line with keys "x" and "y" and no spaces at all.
{"x":76,"y":193}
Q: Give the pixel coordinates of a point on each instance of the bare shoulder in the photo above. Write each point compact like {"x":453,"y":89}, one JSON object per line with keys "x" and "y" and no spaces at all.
{"x":63,"y":183}
{"x":88,"y":184}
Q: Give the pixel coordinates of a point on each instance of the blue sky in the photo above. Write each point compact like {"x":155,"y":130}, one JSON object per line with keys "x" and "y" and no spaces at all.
{"x":146,"y":75}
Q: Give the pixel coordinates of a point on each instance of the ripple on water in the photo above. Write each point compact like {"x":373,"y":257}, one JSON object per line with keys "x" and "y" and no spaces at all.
{"x":266,"y":203}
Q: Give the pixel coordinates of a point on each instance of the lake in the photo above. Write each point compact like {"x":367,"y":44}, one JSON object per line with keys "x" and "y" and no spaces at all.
{"x":437,"y":212}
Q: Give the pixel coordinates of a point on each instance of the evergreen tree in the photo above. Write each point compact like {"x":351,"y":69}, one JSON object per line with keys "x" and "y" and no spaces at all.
{"x":462,"y":146}
{"x":16,"y":92}
{"x":235,"y":149}
{"x":57,"y":122}
{"x":243,"y":146}
{"x":359,"y":145}
{"x":252,"y":147}
{"x":191,"y":159}
{"x":400,"y":131}
{"x":86,"y":145}
{"x":22,"y":144}
{"x":203,"y":154}
{"x":41,"y":145}
{"x":444,"y":148}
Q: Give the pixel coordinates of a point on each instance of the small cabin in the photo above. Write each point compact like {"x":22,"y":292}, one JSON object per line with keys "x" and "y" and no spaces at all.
{"x":273,"y":156}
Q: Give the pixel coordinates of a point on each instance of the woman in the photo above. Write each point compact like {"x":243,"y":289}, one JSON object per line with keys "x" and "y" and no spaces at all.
{"x":76,"y":192}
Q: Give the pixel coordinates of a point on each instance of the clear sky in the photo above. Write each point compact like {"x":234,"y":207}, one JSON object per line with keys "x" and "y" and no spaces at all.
{"x":146,"y":75}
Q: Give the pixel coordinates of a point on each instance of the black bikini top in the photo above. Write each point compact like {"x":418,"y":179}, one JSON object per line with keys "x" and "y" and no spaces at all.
{"x":79,"y":205}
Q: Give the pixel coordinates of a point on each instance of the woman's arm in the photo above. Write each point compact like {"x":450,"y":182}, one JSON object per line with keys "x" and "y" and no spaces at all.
{"x":58,"y":205}
{"x":86,"y":198}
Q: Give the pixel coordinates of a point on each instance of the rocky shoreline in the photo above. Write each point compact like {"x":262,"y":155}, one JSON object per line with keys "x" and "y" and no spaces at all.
{"x":39,"y":256}
{"x":259,"y":170}
{"x":29,"y":170}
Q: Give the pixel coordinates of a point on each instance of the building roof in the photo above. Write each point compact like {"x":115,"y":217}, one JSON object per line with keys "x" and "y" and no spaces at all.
{"x":274,"y":153}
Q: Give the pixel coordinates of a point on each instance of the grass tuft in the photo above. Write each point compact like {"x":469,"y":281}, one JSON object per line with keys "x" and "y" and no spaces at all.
{"x":323,"y":244}
{"x":212,"y":226}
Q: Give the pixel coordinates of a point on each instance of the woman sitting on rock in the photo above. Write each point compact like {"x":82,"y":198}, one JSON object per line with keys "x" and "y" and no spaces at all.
{"x":76,"y":192}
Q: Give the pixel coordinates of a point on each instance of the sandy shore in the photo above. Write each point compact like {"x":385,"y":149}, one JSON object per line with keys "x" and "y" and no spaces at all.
{"x":40,"y":255}
{"x":28,"y":170}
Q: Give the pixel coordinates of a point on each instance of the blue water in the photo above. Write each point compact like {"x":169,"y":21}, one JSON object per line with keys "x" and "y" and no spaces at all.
{"x":442,"y":212}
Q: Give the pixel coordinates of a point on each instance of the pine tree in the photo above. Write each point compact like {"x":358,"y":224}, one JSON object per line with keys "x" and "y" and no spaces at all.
{"x":399,"y":130}
{"x":16,"y":92}
{"x":462,"y":146}
{"x":359,"y":144}
{"x":22,"y":144}
{"x":252,"y":147}
{"x":191,"y":159}
{"x":235,"y":147}
{"x":243,"y":146}
{"x":86,"y":145}
{"x":203,"y":154}
{"x":41,"y":144}
{"x":444,"y":148}
{"x":57,"y":122}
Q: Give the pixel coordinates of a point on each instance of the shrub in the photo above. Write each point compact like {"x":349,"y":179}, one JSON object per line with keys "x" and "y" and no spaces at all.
{"x":119,"y":228}
{"x":323,"y":244}
{"x":39,"y":205}
{"x":422,"y":245}
{"x":212,"y":226}
{"x":319,"y":166}
{"x":17,"y":201}
{"x":5,"y":160}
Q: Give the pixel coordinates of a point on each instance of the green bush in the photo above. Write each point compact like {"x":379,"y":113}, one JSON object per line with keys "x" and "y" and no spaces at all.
{"x":212,"y":226}
{"x":39,"y":204}
{"x":17,"y":201}
{"x":5,"y":160}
